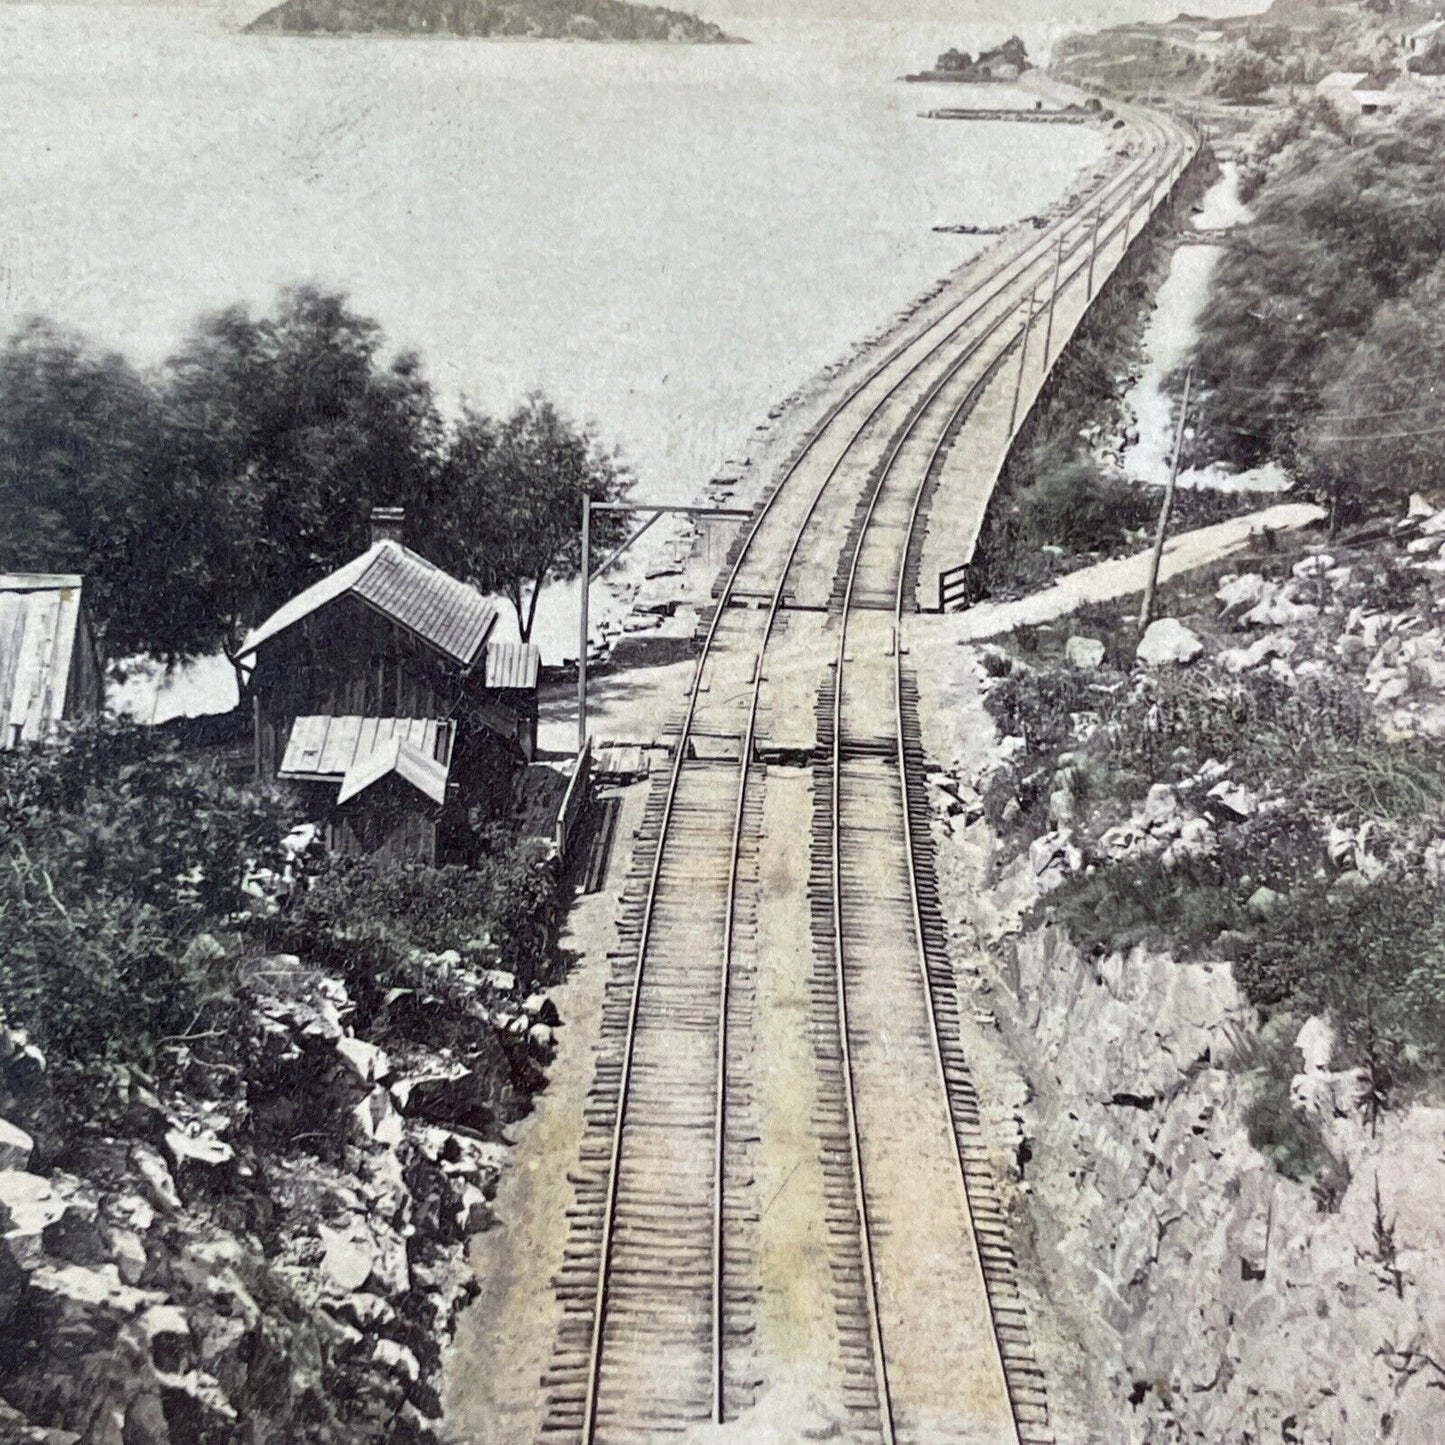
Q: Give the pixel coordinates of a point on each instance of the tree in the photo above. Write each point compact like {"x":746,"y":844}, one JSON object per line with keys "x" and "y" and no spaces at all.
{"x":287,"y":430}
{"x":1381,"y":420}
{"x":196,"y":500}
{"x":513,"y":493}
{"x":87,"y":485}
{"x":1243,"y":75}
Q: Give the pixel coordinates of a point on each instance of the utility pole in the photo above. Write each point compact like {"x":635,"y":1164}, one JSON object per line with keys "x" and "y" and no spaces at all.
{"x":1023,"y":355}
{"x":1168,"y":506}
{"x":1094,"y":247}
{"x":584,"y":581}
{"x":1053,"y":296}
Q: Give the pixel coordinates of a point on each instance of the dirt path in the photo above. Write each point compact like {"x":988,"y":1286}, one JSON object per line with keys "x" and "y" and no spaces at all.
{"x":1107,"y":581}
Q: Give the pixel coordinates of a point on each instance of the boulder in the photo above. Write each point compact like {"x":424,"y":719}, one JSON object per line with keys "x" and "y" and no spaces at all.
{"x":369,"y":1062}
{"x":16,"y":1146}
{"x":1084,"y":653}
{"x":1242,"y":659}
{"x":1263,"y":901}
{"x":1231,"y":800}
{"x":1245,"y":591}
{"x":349,"y":1256}
{"x":1168,"y":642}
{"x":540,"y":1009}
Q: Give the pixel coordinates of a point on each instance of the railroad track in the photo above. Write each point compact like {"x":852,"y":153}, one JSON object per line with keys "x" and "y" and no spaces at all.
{"x":659,"y":1289}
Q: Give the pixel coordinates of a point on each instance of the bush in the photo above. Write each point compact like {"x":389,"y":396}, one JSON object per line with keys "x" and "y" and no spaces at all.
{"x":509,"y":902}
{"x":1140,"y":901}
{"x":117,"y":852}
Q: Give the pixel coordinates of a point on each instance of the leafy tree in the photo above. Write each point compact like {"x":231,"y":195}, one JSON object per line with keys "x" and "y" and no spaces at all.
{"x":86,"y":486}
{"x":287,"y":430}
{"x":513,"y":493}
{"x":1382,"y":417}
{"x":1340,"y":229}
{"x":196,"y":500}
{"x":1243,"y":75}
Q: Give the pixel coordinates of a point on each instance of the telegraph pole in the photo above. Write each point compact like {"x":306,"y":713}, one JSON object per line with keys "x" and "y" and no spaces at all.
{"x":1094,"y":247}
{"x":584,"y":581}
{"x":1053,"y":296}
{"x":1165,"y":509}
{"x":1023,"y":354}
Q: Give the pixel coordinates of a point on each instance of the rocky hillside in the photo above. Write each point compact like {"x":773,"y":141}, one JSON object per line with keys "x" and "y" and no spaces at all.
{"x":529,"y":19}
{"x":1194,"y":878}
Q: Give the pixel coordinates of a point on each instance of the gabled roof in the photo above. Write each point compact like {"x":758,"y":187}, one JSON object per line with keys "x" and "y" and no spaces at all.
{"x":513,"y":665}
{"x":324,"y":748}
{"x":425,"y":774}
{"x":39,"y":628}
{"x":446,"y":614}
{"x":1342,"y":80}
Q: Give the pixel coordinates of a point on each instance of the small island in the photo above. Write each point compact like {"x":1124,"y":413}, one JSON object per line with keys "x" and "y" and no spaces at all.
{"x":1005,"y":63}
{"x":519,"y":19}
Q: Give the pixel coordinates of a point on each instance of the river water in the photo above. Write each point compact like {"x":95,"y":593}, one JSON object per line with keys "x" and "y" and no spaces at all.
{"x":667,"y":239}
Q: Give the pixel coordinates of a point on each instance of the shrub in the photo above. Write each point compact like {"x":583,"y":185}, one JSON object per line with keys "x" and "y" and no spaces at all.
{"x":115,"y":853}
{"x":509,"y":901}
{"x":1141,"y":901}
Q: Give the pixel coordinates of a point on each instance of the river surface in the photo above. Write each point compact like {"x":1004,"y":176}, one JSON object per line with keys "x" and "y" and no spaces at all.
{"x":667,"y":239}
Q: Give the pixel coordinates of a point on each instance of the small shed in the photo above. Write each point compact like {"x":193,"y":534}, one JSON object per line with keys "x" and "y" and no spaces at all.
{"x":50,"y":668}
{"x":381,"y":692}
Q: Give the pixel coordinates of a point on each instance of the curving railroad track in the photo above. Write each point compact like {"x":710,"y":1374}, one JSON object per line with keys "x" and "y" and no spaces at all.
{"x":664,"y":1324}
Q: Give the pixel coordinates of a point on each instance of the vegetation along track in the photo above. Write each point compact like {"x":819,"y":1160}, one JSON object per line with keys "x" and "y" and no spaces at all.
{"x":660,"y":1289}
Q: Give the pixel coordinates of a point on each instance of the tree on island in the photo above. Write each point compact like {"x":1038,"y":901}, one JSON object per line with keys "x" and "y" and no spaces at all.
{"x":513,"y":493}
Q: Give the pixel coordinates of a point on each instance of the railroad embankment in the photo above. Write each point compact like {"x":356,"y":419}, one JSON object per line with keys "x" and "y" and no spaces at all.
{"x":1191,"y":883}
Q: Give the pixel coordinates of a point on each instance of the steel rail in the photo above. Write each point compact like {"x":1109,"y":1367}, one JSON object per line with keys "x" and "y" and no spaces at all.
{"x":968,"y":401}
{"x":1021,"y":263}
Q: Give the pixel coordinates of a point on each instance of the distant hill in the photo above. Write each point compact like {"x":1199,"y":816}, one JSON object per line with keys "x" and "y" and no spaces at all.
{"x":533,"y":19}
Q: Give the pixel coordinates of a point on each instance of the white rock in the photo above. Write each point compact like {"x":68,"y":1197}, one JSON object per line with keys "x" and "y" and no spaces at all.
{"x":1392,"y":690}
{"x":542,"y":1040}
{"x":1084,"y":653}
{"x":16,"y":1146}
{"x":350,"y":1253}
{"x":540,"y":1009}
{"x":1242,"y":591}
{"x":1234,"y":799}
{"x":89,"y":1287}
{"x":1316,"y":1044}
{"x":29,"y":1205}
{"x":398,"y":1359}
{"x":1314,"y":566}
{"x":195,"y":1144}
{"x":473,"y":1213}
{"x":379,"y":1119}
{"x":1196,"y":840}
{"x":1242,"y":659}
{"x":156,"y":1177}
{"x":499,"y":980}
{"x":1419,"y":507}
{"x":1160,"y":806}
{"x":369,"y":1062}
{"x":1274,"y":609}
{"x":1168,"y":641}
{"x":129,"y":1253}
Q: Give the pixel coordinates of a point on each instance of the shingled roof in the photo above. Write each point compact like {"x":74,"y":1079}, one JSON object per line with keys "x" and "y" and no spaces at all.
{"x":449,"y":615}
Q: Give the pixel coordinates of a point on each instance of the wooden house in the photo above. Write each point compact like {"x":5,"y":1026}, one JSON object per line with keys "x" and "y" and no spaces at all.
{"x":50,"y":667}
{"x":382,"y":694}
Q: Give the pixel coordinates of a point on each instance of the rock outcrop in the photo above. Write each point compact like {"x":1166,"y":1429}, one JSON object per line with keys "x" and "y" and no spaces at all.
{"x":280,"y":1259}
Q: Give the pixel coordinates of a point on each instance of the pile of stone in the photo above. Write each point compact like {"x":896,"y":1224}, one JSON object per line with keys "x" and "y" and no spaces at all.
{"x":279,"y":1257}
